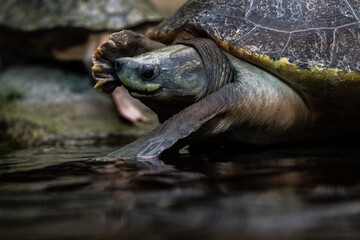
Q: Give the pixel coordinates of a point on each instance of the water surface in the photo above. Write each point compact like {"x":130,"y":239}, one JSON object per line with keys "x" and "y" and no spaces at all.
{"x":286,"y":192}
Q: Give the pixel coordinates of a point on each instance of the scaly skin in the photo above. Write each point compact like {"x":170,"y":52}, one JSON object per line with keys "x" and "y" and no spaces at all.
{"x":255,"y":107}
{"x":121,"y":44}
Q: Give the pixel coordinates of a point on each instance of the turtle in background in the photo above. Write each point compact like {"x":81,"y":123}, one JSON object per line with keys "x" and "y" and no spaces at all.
{"x":70,"y":30}
{"x":255,"y":72}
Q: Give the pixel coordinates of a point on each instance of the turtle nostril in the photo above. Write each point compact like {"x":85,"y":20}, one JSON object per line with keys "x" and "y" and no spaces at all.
{"x":118,"y":65}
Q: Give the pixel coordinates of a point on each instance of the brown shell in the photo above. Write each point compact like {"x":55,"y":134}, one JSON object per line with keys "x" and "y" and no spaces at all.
{"x":313,"y":44}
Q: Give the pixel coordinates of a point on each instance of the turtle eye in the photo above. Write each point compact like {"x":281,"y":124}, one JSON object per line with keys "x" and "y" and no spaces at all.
{"x":149,"y":72}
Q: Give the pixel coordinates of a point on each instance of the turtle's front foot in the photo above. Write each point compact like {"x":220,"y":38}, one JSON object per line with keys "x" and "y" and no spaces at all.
{"x":118,"y":45}
{"x":141,"y":149}
{"x":121,"y":44}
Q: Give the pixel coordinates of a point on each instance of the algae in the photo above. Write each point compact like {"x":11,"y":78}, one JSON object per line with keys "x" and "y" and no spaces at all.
{"x":42,"y":105}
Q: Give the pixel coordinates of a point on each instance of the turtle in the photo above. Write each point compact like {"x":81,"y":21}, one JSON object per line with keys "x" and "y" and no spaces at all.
{"x":68,"y":31}
{"x":242,"y":71}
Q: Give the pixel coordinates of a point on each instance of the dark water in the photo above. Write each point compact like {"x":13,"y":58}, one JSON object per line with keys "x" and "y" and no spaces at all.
{"x":288,"y":193}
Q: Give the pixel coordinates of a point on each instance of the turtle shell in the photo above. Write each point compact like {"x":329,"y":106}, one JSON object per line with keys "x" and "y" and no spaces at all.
{"x":93,"y":15}
{"x":312,"y":44}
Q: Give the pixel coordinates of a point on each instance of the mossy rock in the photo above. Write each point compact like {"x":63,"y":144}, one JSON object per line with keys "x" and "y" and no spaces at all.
{"x":106,"y":15}
{"x":40,"y":105}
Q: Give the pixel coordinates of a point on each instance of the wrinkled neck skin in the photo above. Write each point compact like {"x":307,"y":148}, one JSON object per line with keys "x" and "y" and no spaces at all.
{"x":258,"y":108}
{"x":199,"y":68}
{"x":180,"y":76}
{"x":264,"y":110}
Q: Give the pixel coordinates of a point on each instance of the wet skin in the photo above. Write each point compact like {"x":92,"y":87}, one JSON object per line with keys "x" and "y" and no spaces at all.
{"x":253,"y":107}
{"x":57,"y":193}
{"x":151,"y":78}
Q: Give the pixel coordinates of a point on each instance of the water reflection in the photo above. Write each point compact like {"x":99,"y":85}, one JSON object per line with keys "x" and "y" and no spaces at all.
{"x":267,"y":193}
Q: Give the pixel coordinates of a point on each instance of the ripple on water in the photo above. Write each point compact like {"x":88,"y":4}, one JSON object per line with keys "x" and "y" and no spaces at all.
{"x":64,"y":193}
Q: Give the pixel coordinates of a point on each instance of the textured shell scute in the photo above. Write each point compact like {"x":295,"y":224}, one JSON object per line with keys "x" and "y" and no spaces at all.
{"x":318,"y":32}
{"x":312,"y":44}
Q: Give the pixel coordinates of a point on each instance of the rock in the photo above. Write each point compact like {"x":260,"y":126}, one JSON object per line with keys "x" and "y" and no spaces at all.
{"x":49,"y":106}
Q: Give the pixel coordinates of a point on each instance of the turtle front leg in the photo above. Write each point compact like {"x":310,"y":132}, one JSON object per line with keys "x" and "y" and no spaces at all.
{"x":257,"y":108}
{"x":179,"y":127}
{"x":121,"y":44}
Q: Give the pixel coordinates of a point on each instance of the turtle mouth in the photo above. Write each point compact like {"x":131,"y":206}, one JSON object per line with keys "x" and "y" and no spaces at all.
{"x":138,"y":87}
{"x":137,"y":93}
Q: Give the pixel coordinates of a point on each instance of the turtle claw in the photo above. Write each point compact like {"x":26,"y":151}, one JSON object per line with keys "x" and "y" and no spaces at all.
{"x":125,"y":43}
{"x":98,"y":52}
{"x":118,"y":45}
{"x":96,"y":69}
{"x":97,"y":85}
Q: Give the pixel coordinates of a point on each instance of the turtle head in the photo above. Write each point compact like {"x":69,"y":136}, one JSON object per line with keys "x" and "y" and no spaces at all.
{"x":172,"y":74}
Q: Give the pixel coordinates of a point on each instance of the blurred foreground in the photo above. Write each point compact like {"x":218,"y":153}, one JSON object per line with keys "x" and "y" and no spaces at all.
{"x":289,"y":193}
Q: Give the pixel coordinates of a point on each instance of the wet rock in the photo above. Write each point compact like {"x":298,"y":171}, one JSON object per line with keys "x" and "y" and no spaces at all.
{"x":91,"y":14}
{"x":43,"y":105}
